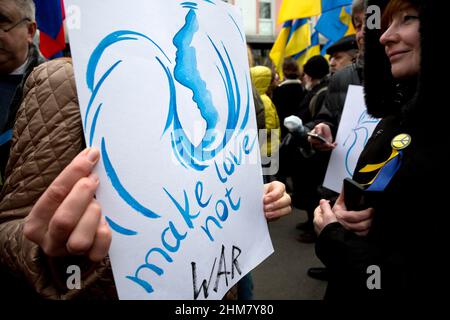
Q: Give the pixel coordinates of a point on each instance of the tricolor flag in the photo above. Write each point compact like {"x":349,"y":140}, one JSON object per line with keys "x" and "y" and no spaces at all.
{"x":49,"y":17}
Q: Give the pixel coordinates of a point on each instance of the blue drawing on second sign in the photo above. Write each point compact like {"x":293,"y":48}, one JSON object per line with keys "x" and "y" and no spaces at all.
{"x":359,"y":135}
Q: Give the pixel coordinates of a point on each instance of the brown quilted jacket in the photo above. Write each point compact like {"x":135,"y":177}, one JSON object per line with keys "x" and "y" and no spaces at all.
{"x":47,"y":136}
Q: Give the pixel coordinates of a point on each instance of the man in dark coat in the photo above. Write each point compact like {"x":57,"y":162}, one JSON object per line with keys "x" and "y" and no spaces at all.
{"x":310,"y":168}
{"x":289,"y":94}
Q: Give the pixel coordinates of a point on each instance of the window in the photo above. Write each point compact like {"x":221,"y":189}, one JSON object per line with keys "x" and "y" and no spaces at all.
{"x":265,"y":10}
{"x":265,"y":17}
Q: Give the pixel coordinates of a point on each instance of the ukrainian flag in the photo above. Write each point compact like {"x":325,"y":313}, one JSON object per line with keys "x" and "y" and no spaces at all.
{"x":294,"y":37}
{"x":335,"y":24}
{"x":299,"y":37}
{"x":313,"y":50}
{"x":298,"y":9}
{"x":346,"y":18}
{"x":279,"y":47}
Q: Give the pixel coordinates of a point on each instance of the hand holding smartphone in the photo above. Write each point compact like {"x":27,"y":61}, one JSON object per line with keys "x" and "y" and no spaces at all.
{"x":317,"y":136}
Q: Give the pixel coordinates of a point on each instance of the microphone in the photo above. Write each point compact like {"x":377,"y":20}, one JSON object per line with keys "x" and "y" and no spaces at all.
{"x":299,"y":133}
{"x":295,"y":126}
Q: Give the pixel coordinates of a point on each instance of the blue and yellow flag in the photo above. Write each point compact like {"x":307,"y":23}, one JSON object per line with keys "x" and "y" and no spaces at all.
{"x":279,"y":47}
{"x":294,"y":37}
{"x":313,"y":50}
{"x":335,"y":24}
{"x":299,"y":38}
{"x":298,"y":9}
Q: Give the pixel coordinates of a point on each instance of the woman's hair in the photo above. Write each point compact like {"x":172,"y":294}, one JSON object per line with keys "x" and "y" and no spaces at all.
{"x":393,"y":7}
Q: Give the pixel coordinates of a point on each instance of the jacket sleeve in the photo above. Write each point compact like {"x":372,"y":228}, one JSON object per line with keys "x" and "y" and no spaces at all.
{"x":259,"y":109}
{"x":328,"y":111}
{"x":272,"y":125}
{"x":345,"y":254}
{"x":333,"y":104}
{"x":47,"y":136}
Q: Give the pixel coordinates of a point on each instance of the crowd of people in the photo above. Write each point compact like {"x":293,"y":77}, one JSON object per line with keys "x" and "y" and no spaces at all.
{"x":49,"y":217}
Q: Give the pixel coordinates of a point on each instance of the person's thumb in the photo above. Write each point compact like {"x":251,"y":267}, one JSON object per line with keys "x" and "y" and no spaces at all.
{"x":327,"y":212}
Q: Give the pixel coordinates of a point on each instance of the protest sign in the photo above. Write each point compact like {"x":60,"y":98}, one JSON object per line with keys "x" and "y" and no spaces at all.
{"x":355,"y":129}
{"x":165,"y":94}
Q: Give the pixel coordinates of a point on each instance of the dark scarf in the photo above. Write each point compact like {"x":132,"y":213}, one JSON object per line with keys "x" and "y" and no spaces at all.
{"x":8,"y":88}
{"x":11,"y":91}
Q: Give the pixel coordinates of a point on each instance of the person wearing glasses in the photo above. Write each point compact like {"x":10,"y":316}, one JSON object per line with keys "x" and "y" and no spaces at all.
{"x":18,"y":57}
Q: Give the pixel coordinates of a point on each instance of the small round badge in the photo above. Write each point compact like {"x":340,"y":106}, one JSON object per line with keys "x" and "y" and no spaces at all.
{"x":401,"y":141}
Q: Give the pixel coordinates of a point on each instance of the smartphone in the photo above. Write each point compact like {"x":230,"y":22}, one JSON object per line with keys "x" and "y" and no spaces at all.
{"x":317,"y":136}
{"x":353,"y":195}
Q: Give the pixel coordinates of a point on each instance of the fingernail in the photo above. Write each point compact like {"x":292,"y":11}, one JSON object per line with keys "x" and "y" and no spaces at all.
{"x":94,"y":177}
{"x":93,"y":155}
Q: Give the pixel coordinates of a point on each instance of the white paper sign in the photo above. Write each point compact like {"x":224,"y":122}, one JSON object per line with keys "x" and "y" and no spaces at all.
{"x":355,"y":129}
{"x":165,"y":94}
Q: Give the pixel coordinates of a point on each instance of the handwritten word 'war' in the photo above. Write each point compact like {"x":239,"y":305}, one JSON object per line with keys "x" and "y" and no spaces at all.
{"x":221,"y":272}
{"x":171,"y":237}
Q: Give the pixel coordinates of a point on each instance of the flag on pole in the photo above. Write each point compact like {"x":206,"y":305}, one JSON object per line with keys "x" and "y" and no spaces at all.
{"x":331,"y":26}
{"x":294,"y":37}
{"x":333,"y":4}
{"x":311,"y":51}
{"x":299,"y":38}
{"x":278,"y":50}
{"x":335,"y":24}
{"x":295,"y":9}
{"x":346,"y":18}
{"x":49,"y":18}
{"x":298,"y":9}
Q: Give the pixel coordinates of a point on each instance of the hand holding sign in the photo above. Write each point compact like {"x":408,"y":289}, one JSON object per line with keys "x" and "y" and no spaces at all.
{"x":165,"y":94}
{"x":66,"y":220}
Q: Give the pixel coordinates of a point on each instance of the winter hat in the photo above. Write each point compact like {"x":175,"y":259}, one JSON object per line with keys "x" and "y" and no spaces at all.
{"x":316,"y":67}
{"x":344,"y":44}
